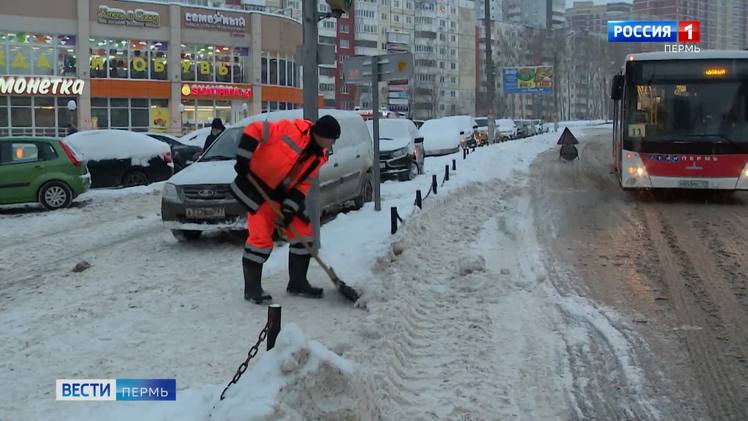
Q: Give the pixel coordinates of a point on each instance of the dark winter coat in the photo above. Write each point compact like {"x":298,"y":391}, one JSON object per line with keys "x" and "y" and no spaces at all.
{"x":210,"y":139}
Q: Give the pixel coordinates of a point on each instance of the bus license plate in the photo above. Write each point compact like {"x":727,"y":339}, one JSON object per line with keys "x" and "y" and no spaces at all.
{"x":693,"y":184}
{"x":205,"y":213}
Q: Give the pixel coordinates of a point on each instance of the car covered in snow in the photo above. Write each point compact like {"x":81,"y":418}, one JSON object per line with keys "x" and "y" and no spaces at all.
{"x":400,"y":148}
{"x":506,"y":129}
{"x":122,"y":158}
{"x":41,"y":169}
{"x":199,"y":199}
{"x":181,"y":154}
{"x":468,"y":128}
{"x":440,"y":137}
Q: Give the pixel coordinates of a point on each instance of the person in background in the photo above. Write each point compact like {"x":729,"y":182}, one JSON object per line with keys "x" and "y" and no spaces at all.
{"x":216,"y":128}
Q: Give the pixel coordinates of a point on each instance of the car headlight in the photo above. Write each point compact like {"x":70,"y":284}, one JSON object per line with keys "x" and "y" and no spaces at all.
{"x":170,"y":192}
{"x":400,"y":152}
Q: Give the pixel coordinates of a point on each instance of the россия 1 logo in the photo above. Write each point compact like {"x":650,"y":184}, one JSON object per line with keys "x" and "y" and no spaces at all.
{"x":667,"y":31}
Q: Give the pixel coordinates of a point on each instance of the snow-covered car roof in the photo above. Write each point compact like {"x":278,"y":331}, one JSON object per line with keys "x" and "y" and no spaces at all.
{"x":395,"y":133}
{"x":172,"y":137}
{"x":465,"y":122}
{"x":97,"y":145}
{"x":294,"y":114}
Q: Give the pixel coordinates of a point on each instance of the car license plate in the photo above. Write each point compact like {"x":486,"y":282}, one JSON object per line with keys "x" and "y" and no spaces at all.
{"x":205,"y":213}
{"x":693,"y":184}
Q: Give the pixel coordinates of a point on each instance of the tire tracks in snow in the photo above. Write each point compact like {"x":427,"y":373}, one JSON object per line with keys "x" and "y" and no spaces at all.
{"x":442,"y":347}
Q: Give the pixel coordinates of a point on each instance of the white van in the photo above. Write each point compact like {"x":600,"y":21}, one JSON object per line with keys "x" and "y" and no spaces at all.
{"x":198,"y":198}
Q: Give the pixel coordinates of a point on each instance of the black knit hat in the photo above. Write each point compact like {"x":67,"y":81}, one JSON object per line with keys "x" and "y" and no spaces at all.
{"x":217,"y":124}
{"x":327,"y":126}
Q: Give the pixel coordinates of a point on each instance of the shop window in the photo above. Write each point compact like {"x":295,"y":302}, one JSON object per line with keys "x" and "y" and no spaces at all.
{"x":139,"y":60}
{"x":223,"y":64}
{"x":21,"y":120}
{"x":159,"y":65}
{"x":204,"y":62}
{"x":118,"y":59}
{"x":66,"y":56}
{"x":4,"y":121}
{"x":264,"y":70}
{"x":44,"y":116}
{"x":273,"y":71}
{"x":188,"y":63}
{"x":282,"y":71}
{"x":20,"y":60}
{"x":241,"y":65}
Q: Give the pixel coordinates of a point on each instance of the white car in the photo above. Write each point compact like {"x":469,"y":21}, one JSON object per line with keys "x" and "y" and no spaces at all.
{"x":506,"y":128}
{"x":467,"y":126}
{"x":199,"y":199}
{"x":196,"y":137}
{"x":440,"y":137}
{"x":122,"y":158}
{"x":400,"y":148}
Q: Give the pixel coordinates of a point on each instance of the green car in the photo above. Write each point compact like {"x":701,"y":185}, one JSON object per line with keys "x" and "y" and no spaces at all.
{"x":40,"y":169}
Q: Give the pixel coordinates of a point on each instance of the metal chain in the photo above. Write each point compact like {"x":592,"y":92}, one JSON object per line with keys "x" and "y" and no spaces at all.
{"x":252,"y":352}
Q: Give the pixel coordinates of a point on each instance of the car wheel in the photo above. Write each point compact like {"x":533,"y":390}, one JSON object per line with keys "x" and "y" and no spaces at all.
{"x":366,"y":194}
{"x":412,"y":173}
{"x":135,"y":178}
{"x":186,"y":235}
{"x":55,"y":195}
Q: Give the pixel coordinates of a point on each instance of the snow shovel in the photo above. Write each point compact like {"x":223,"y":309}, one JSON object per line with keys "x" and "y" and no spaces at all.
{"x":347,"y":291}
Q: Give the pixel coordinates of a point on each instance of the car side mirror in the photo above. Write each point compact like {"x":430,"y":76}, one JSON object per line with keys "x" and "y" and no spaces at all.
{"x":616,"y":88}
{"x":418,"y":140}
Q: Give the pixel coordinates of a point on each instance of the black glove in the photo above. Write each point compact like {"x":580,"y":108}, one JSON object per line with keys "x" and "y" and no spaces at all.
{"x":288,"y":214}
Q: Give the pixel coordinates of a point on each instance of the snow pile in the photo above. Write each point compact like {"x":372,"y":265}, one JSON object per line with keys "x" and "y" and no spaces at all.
{"x":97,"y":145}
{"x":299,"y":379}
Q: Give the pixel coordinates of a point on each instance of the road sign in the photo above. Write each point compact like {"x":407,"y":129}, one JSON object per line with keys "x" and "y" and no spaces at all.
{"x":325,"y":54}
{"x":357,"y":69}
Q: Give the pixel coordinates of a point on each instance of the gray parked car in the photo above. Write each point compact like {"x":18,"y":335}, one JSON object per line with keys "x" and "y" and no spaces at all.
{"x":198,"y":198}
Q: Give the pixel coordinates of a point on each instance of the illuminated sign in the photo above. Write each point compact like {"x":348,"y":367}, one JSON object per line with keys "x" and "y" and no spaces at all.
{"x":44,"y":85}
{"x":715,"y":72}
{"x":216,"y":90}
{"x":136,"y":17}
{"x":216,"y":21}
{"x":654,"y":31}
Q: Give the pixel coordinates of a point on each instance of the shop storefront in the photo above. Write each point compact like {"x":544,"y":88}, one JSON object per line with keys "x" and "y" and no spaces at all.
{"x":142,"y":66}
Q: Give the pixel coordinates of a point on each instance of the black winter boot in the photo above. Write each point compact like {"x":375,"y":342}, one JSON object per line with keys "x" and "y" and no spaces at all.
{"x":298,"y":265}
{"x":252,"y":282}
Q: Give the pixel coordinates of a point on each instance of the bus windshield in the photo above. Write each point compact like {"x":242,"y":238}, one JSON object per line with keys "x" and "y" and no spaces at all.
{"x":670,"y":104}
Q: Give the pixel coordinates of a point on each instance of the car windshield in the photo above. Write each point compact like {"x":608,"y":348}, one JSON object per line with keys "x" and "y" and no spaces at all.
{"x":482,"y":122}
{"x":672,"y":103}
{"x":224,"y":147}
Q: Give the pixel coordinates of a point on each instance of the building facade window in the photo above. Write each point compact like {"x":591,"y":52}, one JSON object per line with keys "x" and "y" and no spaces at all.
{"x":344,"y":43}
{"x":200,"y":113}
{"x":123,"y":59}
{"x":27,"y":54}
{"x":209,"y":63}
{"x":124,"y":113}
{"x":279,"y":70}
{"x":34,"y":116}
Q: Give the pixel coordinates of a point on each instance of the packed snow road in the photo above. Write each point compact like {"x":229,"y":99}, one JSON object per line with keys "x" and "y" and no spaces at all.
{"x":672,"y":264}
{"x":485,"y":305}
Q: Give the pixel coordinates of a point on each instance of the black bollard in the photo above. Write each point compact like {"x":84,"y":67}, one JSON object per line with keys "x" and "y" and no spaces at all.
{"x":464,"y":153}
{"x":419,"y":200}
{"x":454,"y":165}
{"x":446,"y":173}
{"x":274,"y":324}
{"x":433,"y":183}
{"x":393,"y":219}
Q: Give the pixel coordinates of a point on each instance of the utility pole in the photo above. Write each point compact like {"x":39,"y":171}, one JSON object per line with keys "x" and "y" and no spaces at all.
{"x":311,"y":90}
{"x":490,"y":88}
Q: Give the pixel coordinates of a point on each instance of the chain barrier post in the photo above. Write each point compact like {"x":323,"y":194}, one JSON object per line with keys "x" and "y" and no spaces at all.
{"x":433,"y":183}
{"x":393,"y":219}
{"x":464,"y":153}
{"x":419,"y":200}
{"x":454,"y":165}
{"x":274,"y":324}
{"x":446,"y":173}
{"x":251,"y":354}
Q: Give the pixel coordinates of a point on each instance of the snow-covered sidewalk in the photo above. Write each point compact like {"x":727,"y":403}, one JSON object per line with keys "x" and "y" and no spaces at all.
{"x":462,"y":320}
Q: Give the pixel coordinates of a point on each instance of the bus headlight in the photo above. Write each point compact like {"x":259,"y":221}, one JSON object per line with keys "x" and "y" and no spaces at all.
{"x":634,"y":171}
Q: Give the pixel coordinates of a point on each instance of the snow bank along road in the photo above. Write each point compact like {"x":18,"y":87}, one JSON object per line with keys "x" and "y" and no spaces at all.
{"x":476,"y":308}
